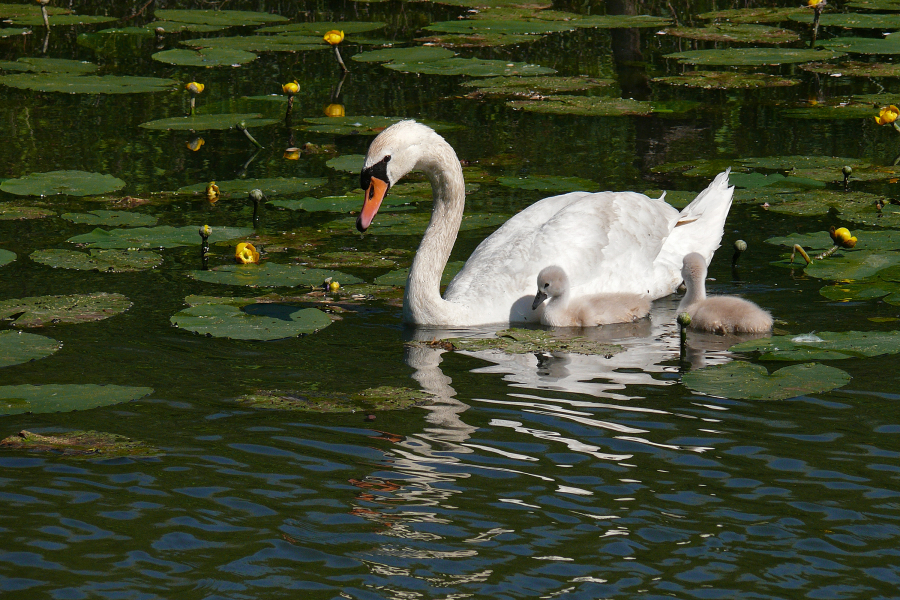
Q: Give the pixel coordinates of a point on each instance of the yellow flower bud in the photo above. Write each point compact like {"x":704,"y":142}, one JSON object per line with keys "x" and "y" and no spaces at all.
{"x":842,"y":237}
{"x":334,"y":286}
{"x":334,"y":37}
{"x":291,"y":88}
{"x":205,"y":231}
{"x":334,"y":110}
{"x":212,"y":192}
{"x":246,"y":254}
{"x":815,"y":3}
{"x":292,"y":154}
{"x":194,"y":87}
{"x":195,"y":144}
{"x":887,"y":115}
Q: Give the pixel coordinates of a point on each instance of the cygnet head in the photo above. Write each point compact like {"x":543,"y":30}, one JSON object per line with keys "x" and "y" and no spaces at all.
{"x":552,"y":282}
{"x":693,"y":270}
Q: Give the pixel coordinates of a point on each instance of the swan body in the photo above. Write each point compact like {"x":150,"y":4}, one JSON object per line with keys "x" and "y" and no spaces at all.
{"x":607,"y":242}
{"x":562,"y":310}
{"x":717,"y":314}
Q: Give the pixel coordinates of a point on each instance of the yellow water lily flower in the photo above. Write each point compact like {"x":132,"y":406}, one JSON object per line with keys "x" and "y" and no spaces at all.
{"x":334,"y":286}
{"x":334,"y":110}
{"x":212,"y":192}
{"x":194,"y":87}
{"x":842,"y":237}
{"x":292,"y":154}
{"x":195,"y":144}
{"x":334,"y":37}
{"x":887,"y":115}
{"x":246,"y":254}
{"x":816,"y":3}
{"x":291,"y":88}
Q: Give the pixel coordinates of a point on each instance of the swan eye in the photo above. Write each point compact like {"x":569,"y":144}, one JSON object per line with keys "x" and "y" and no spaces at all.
{"x":546,"y":285}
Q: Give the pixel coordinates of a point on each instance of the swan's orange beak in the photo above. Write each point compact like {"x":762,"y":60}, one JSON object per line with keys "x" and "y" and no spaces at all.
{"x":371,"y":203}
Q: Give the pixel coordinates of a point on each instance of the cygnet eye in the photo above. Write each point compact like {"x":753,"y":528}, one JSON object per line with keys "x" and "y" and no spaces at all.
{"x":546,"y":285}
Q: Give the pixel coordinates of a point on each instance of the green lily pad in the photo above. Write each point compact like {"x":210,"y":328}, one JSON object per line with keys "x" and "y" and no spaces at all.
{"x":821,"y":240}
{"x":17,"y":347}
{"x":820,"y":202}
{"x":739,"y":379}
{"x":320,"y":28}
{"x":12,"y":11}
{"x":594,"y":106}
{"x":413,"y":223}
{"x":13,"y":32}
{"x":355,"y":259}
{"x":879,"y":5}
{"x":854,"y":69}
{"x":235,"y":322}
{"x":318,"y":401}
{"x":408,"y":55}
{"x":59,"y":20}
{"x":270,"y":275}
{"x":19,"y":399}
{"x":349,"y":125}
{"x":12,"y":212}
{"x":111,"y":218}
{"x":272,"y":186}
{"x":476,"y":40}
{"x":72,"y":183}
{"x":754,"y":15}
{"x":6,"y":257}
{"x":736,"y":32}
{"x":701,"y":167}
{"x":473,"y":67}
{"x":510,"y":26}
{"x":37,"y":311}
{"x":349,"y":163}
{"x":180,"y":27}
{"x":824,"y":345}
{"x":528,"y":86}
{"x":753,"y":56}
{"x":726,"y":80}
{"x":786,"y":163}
{"x":524,"y":341}
{"x":851,"y":266}
{"x":548,"y":183}
{"x":102,"y":260}
{"x":163,"y":236}
{"x":867,"y":289}
{"x":80,"y":444}
{"x":851,"y":20}
{"x":209,"y":122}
{"x":49,"y":65}
{"x":206,"y":57}
{"x":398,"y":277}
{"x":228,"y":18}
{"x":400,"y":196}
{"x":67,"y":83}
{"x":260,"y":43}
{"x":762,"y":180}
{"x":888,"y":45}
{"x":618,"y":21}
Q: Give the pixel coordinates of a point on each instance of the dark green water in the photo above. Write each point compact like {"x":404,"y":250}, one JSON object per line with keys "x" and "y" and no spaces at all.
{"x":562,"y":476}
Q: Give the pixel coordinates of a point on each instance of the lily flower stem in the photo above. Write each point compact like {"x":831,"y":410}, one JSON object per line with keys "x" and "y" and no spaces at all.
{"x":193,"y":104}
{"x":337,"y":54}
{"x":827,"y":253}
{"x":46,"y":16}
{"x":290,"y":107}
{"x":249,"y":137}
{"x":799,"y":248}
{"x":204,"y":254}
{"x":815,"y":28}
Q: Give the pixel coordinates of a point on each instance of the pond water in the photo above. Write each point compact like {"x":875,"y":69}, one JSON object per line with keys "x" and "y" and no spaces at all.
{"x":544,"y":474}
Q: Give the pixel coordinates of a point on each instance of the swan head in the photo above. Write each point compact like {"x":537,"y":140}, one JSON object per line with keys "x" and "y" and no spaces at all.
{"x":396,"y":151}
{"x":693,"y":270}
{"x":551,"y":282}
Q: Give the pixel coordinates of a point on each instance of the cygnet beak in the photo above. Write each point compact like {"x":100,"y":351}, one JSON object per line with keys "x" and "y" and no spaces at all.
{"x":538,"y":298}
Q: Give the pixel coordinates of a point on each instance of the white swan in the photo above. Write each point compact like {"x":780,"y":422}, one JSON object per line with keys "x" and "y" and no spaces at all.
{"x":717,"y":314}
{"x":562,"y":310}
{"x":607,"y":242}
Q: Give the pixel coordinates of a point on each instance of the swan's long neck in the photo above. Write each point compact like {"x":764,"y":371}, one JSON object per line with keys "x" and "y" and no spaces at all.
{"x":423,"y":302}
{"x":695,"y":287}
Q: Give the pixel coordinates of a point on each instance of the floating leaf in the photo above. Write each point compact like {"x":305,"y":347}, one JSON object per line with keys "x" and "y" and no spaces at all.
{"x":524,"y":341}
{"x":13,"y":32}
{"x":528,"y":86}
{"x":228,"y":18}
{"x":410,"y":55}
{"x":505,"y":26}
{"x":824,"y":345}
{"x":786,"y":163}
{"x":240,"y":322}
{"x":19,"y":399}
{"x":179,"y":27}
{"x":270,"y":275}
{"x":413,"y":223}
{"x":318,"y":401}
{"x":761,"y":180}
{"x":350,"y":125}
{"x":851,"y":20}
{"x":206,"y":57}
{"x":37,"y":311}
{"x":820,"y":202}
{"x":888,"y":45}
{"x":163,"y":236}
{"x":739,"y":379}
{"x":105,"y":261}
{"x":209,"y":122}
{"x":6,"y":257}
{"x":17,"y":347}
{"x":260,"y":43}
{"x":730,"y":80}
{"x":320,"y":28}
{"x":349,"y":163}
{"x":72,"y":183}
{"x":548,"y":183}
{"x":273,"y":186}
{"x":821,"y":240}
{"x":473,"y":67}
{"x":49,"y":65}
{"x":855,"y":69}
{"x":736,"y":32}
{"x":595,"y":106}
{"x":477,"y":40}
{"x":11,"y":212}
{"x":111,"y":218}
{"x":352,"y":201}
{"x":754,"y":15}
{"x":618,"y":21}
{"x":867,"y":289}
{"x":88,"y":444}
{"x":67,"y":83}
{"x":63,"y":20}
{"x":753,"y":56}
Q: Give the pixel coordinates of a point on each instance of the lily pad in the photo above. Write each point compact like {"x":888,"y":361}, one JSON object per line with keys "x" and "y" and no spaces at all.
{"x":17,"y":347}
{"x":820,"y":202}
{"x":476,"y":40}
{"x":14,"y":31}
{"x":320,"y":28}
{"x":163,"y":236}
{"x":873,"y":288}
{"x":37,"y":311}
{"x":473,"y":67}
{"x":104,"y":261}
{"x":763,"y":180}
{"x":228,"y":18}
{"x":505,"y":26}
{"x":111,"y":218}
{"x":12,"y":212}
{"x":260,"y":43}
{"x":72,"y":183}
{"x":528,"y":86}
{"x":739,"y":379}
{"x":726,"y":80}
{"x":824,"y":345}
{"x":67,"y":83}
{"x":413,"y":223}
{"x":594,"y":106}
{"x":851,"y":266}
{"x":318,"y":401}
{"x":205,"y":57}
{"x":888,"y":45}
{"x":821,"y":240}
{"x":49,"y":65}
{"x":349,"y":163}
{"x":209,"y":122}
{"x":753,"y":56}
{"x":411,"y":55}
{"x":19,"y":399}
{"x":270,"y":275}
{"x":524,"y":341}
{"x":852,"y":20}
{"x":348,"y":203}
{"x":854,"y":69}
{"x":736,"y":32}
{"x":244,"y":323}
{"x":82,"y":444}
{"x":13,"y":11}
{"x":273,"y":186}
{"x":6,"y":257}
{"x":754,"y":15}
{"x":356,"y":259}
{"x":618,"y":21}
{"x":548,"y":183}
{"x":350,"y":125}
{"x":60,"y":20}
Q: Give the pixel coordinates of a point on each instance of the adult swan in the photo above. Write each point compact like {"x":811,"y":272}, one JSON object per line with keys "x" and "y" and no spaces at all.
{"x":605,"y":241}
